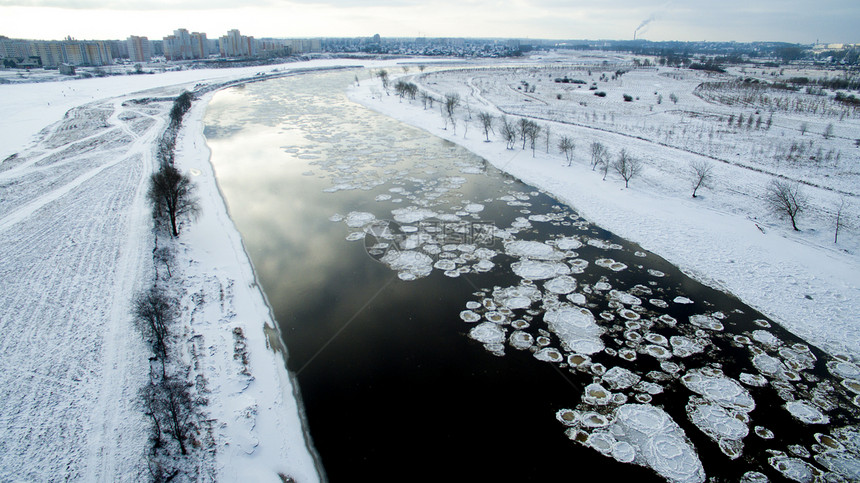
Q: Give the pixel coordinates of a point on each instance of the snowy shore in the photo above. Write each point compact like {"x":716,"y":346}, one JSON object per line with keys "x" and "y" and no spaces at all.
{"x":810,"y":288}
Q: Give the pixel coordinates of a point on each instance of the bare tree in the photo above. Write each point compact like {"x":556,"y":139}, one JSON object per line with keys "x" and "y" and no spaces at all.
{"x":523,"y":125}
{"x":839,"y":221}
{"x":785,"y":197}
{"x":701,"y":175}
{"x":153,"y":313}
{"x":604,"y":167}
{"x":546,"y":130}
{"x":532,"y":134}
{"x":177,"y":409}
{"x":803,"y":128}
{"x":828,"y":131}
{"x":627,"y":167}
{"x":486,"y":120}
{"x":508,"y":132}
{"x":599,"y":153}
{"x":451,"y":102}
{"x":383,"y":77}
{"x":567,"y":146}
{"x":172,"y":194}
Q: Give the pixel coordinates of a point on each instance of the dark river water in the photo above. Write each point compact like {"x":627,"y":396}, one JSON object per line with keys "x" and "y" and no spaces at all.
{"x":448,"y":322}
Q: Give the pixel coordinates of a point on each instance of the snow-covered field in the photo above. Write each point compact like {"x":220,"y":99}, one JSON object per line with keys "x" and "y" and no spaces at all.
{"x":726,"y":237}
{"x":76,"y":242}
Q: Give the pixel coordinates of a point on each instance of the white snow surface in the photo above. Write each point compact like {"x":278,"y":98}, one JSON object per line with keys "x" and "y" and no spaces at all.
{"x":725,"y":238}
{"x":76,"y":244}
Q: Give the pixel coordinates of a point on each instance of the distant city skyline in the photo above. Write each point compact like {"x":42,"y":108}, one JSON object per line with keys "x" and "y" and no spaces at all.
{"x":827,"y":21}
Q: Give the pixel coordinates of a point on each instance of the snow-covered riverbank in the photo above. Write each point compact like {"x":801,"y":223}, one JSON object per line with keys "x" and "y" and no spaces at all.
{"x":76,"y":244}
{"x":808,"y":286}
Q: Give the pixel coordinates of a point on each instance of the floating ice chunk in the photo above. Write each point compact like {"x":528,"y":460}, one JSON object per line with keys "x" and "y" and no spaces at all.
{"x":516,"y":297}
{"x":769,"y":366}
{"x":490,"y":334}
{"x":411,"y":214}
{"x":592,"y":419}
{"x":382,"y":197}
{"x":756,"y":380}
{"x":656,"y":351}
{"x":521,"y":340}
{"x":806,"y":412}
{"x":764,"y":337}
{"x":719,"y":389}
{"x":410,"y":264}
{"x":797,"y":359}
{"x":623,"y":452}
{"x":843,"y":369}
{"x":577,"y":298}
{"x":596,"y":395}
{"x":624,"y":297}
{"x":610,"y":264}
{"x":658,"y":442}
{"x":601,"y":441}
{"x":469,"y":316}
{"x":842,"y":463}
{"x":549,"y":354}
{"x":793,"y":468}
{"x":495,"y":317}
{"x":561,"y":285}
{"x":649,"y":387}
{"x":706,"y":322}
{"x":358,"y":219}
{"x":444,"y":264}
{"x":668,"y":320}
{"x":539,"y":270}
{"x":578,"y":265}
{"x":717,"y":422}
{"x":337,"y":217}
{"x":539,"y":218}
{"x":605,"y":245}
{"x":620,"y":378}
{"x":656,"y":273}
{"x":568,"y":243}
{"x":576,"y":329}
{"x":754,"y":477}
{"x":578,"y":360}
{"x":484,"y":266}
{"x":656,"y":338}
{"x":682,"y":300}
{"x":358,"y":235}
{"x":568,"y":417}
{"x":629,"y":314}
{"x":763,"y":432}
{"x":532,"y":249}
{"x":658,"y":303}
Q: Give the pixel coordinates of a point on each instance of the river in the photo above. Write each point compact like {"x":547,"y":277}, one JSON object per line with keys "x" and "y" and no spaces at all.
{"x":446,"y":321}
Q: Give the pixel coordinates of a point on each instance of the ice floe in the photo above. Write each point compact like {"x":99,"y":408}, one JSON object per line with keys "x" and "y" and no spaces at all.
{"x":806,"y":412}
{"x":576,"y":328}
{"x":719,"y":389}
{"x":539,"y":270}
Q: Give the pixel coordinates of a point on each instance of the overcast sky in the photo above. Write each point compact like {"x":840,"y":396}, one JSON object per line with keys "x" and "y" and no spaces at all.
{"x":802,"y":21}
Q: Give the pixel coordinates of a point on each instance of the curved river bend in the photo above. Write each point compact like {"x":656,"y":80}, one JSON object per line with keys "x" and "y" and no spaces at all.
{"x":447,"y":321}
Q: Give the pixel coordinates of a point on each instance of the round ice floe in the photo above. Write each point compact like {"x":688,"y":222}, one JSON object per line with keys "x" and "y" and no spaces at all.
{"x":408,"y":263}
{"x":549,"y":354}
{"x":763,"y":432}
{"x":706,"y":322}
{"x":719,"y":389}
{"x":517,"y":296}
{"x":797,"y":359}
{"x":662,"y":304}
{"x":592,"y":419}
{"x":806,"y":412}
{"x":561,"y":285}
{"x":474,"y":208}
{"x":568,"y":243}
{"x":601,"y":441}
{"x":488,"y":333}
{"x":829,"y":442}
{"x":444,"y":264}
{"x":627,"y":354}
{"x":469,"y":316}
{"x":656,"y":351}
{"x":683,"y":346}
{"x":668,"y":320}
{"x":360,"y":235}
{"x":610,"y":264}
{"x":843,"y":463}
{"x":337,"y":217}
{"x":539,"y":270}
{"x":624,"y":297}
{"x":620,"y":378}
{"x":682,"y":300}
{"x":495,"y":317}
{"x":659,"y":440}
{"x":794,"y":469}
{"x":756,"y":380}
{"x":716,"y":421}
{"x":596,"y":395}
{"x":533,"y":250}
{"x":629,"y":314}
{"x":577,"y":360}
{"x":764,"y":337}
{"x":521,"y":340}
{"x":576,"y":329}
{"x":844,"y":369}
{"x":656,"y":338}
{"x":357,"y":219}
{"x":656,"y":273}
{"x":568,"y":417}
{"x":623,"y":452}
{"x":769,"y":366}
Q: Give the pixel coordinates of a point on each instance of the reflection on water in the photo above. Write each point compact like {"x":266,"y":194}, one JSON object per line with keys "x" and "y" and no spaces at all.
{"x":490,"y":332}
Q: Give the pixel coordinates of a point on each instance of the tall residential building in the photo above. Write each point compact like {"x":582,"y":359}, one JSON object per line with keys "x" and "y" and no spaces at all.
{"x":53,"y":53}
{"x":184,"y":45}
{"x":139,"y":49}
{"x":235,"y":44}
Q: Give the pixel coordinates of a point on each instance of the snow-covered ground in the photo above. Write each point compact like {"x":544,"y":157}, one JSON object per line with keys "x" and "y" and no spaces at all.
{"x":76,"y":243}
{"x":726,"y":237}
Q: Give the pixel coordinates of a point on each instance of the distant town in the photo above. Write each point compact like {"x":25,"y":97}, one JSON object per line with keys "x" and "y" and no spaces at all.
{"x":183,"y":46}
